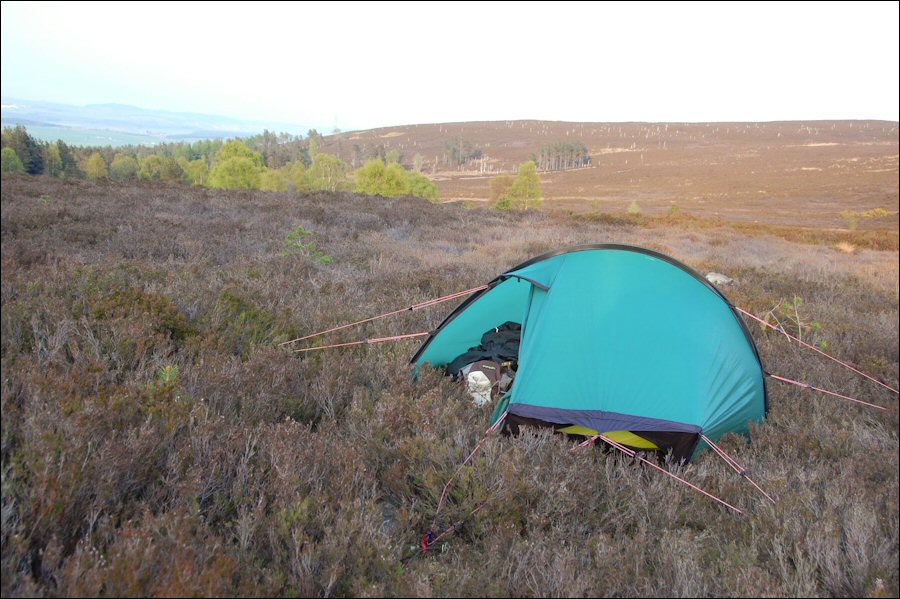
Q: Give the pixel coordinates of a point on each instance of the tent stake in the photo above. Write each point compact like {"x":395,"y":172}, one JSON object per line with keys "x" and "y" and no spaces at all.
{"x":734,"y":465}
{"x":814,"y":348}
{"x":428,"y":539}
{"x":813,"y":388}
{"x":634,"y":454}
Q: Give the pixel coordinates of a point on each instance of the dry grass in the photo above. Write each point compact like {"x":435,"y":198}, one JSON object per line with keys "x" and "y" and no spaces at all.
{"x":155,"y":440}
{"x":844,"y":240}
{"x":823,"y":174}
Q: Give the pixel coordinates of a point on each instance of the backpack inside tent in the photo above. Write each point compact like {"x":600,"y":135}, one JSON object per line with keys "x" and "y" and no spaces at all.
{"x":614,"y":340}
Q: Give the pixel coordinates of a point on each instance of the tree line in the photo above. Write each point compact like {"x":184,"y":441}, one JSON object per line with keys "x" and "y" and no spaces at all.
{"x":268,"y":161}
{"x":278,"y":162}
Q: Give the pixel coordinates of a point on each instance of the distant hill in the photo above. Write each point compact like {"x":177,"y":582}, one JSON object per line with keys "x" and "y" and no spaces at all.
{"x":781,"y":171}
{"x":120,"y":124}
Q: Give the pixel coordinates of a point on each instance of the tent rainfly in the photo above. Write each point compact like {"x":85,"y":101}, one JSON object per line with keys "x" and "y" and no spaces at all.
{"x":616,"y":340}
{"x":610,"y":342}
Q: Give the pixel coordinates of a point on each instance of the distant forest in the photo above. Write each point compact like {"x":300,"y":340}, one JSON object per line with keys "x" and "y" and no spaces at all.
{"x":268,"y":161}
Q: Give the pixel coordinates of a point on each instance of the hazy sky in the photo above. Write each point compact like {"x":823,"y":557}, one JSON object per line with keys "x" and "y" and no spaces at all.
{"x":378,"y":64}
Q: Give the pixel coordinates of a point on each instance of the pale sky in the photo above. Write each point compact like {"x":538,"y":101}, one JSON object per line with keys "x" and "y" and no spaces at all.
{"x":362,"y":65}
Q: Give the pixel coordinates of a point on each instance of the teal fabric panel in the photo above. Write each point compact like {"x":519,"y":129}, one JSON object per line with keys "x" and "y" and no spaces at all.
{"x":507,"y":301}
{"x":544,"y":272}
{"x":500,"y":408}
{"x":630,"y":333}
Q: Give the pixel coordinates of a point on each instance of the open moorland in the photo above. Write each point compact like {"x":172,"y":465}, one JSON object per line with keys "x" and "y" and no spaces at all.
{"x":156,"y":440}
{"x":782,"y":173}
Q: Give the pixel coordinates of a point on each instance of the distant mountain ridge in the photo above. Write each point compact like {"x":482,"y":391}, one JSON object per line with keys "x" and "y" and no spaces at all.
{"x":119,"y":124}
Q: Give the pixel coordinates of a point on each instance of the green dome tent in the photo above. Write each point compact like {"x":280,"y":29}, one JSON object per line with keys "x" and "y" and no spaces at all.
{"x":617,"y":340}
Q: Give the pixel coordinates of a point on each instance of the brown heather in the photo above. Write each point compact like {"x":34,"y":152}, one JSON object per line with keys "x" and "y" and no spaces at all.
{"x":157,"y":441}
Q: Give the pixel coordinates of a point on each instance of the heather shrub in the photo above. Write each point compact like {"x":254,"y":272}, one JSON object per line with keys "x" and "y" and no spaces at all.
{"x":157,"y":439}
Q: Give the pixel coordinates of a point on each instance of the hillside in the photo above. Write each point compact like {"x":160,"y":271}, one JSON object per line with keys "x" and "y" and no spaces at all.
{"x":157,"y":441}
{"x":795,"y":173}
